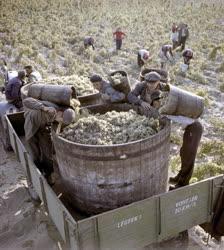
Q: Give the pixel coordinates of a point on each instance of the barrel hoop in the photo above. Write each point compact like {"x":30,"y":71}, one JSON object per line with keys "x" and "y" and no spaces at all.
{"x":125,"y":156}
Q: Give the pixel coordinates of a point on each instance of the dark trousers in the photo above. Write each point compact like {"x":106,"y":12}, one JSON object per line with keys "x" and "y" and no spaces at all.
{"x":140,"y":61}
{"x":41,"y":151}
{"x":187,"y":60}
{"x":118,"y":44}
{"x":188,"y":151}
{"x":182,"y":43}
{"x":175,"y":44}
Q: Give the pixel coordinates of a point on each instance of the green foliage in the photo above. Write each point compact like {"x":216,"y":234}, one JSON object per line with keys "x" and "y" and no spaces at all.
{"x":218,"y":124}
{"x":176,"y":139}
{"x":214,"y":149}
{"x":221,"y":68}
{"x":213,"y":53}
{"x":206,"y":170}
{"x":175,"y":163}
{"x":198,"y":77}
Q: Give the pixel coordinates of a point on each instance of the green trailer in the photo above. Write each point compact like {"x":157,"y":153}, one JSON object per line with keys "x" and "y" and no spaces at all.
{"x":129,"y":227}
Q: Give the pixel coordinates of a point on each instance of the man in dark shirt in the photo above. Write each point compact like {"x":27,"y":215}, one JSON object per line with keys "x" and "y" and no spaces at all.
{"x":192,"y":132}
{"x":187,"y":55}
{"x":108,"y":93}
{"x":144,"y":90}
{"x":39,"y":115}
{"x":89,"y":41}
{"x":12,"y":91}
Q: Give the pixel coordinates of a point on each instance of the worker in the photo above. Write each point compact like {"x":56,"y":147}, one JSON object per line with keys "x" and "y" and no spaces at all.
{"x":7,"y":75}
{"x":192,"y":130}
{"x":12,"y":90}
{"x":88,"y":41}
{"x":108,"y":93}
{"x":143,"y":57}
{"x":144,"y":90}
{"x":187,"y":55}
{"x":183,"y":35}
{"x":118,"y":36}
{"x":32,"y":75}
{"x":166,"y":55}
{"x":174,"y":36}
{"x":39,"y":115}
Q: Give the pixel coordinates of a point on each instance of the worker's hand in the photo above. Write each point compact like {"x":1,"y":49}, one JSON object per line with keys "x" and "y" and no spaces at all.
{"x":146,"y":106}
{"x":49,"y":110}
{"x":105,"y":97}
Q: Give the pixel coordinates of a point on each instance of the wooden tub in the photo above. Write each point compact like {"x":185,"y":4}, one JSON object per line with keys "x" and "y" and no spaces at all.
{"x":99,"y":178}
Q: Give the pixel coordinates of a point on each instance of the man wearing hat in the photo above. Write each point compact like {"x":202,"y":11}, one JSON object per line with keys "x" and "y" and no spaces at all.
{"x":39,"y":115}
{"x":149,"y":92}
{"x":108,"y":93}
{"x":144,"y":90}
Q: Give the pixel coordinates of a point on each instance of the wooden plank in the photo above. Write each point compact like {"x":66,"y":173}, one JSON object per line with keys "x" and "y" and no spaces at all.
{"x":11,"y":134}
{"x":183,"y":208}
{"x":55,"y":210}
{"x":124,"y":228}
{"x":35,"y":177}
{"x":20,"y":150}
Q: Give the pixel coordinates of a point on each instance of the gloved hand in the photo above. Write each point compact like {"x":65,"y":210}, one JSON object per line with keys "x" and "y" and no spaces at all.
{"x":105,"y":97}
{"x":49,"y":110}
{"x":146,"y":106}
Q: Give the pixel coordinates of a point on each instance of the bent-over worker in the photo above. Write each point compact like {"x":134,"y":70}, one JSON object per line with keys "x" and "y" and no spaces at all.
{"x":39,"y":115}
{"x":166,"y":55}
{"x":187,"y":55}
{"x":89,"y":41}
{"x":143,"y":57}
{"x":108,"y":93}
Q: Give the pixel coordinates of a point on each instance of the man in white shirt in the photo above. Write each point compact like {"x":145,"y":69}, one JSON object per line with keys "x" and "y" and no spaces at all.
{"x":143,"y":57}
{"x":32,"y":75}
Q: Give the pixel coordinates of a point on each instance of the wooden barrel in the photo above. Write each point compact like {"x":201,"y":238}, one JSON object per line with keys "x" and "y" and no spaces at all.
{"x":182,"y":102}
{"x":85,"y":100}
{"x":162,"y":73}
{"x":124,"y":86}
{"x":59,"y":94}
{"x":98,"y":178}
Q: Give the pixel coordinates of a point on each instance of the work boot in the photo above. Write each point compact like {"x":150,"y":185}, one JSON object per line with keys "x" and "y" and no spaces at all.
{"x":174,"y":179}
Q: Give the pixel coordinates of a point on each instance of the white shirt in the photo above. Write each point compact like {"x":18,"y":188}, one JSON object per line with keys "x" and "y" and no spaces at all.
{"x":35,"y":76}
{"x":174,"y":36}
{"x":183,"y":120}
{"x":143,"y":52}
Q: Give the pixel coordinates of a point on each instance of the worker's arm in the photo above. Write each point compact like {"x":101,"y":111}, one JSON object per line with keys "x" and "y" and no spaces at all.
{"x":32,"y":103}
{"x":15,"y":91}
{"x":133,"y":95}
{"x":114,"y":95}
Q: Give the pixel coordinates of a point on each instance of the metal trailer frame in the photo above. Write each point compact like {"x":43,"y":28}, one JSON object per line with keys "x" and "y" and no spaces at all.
{"x":129,"y":227}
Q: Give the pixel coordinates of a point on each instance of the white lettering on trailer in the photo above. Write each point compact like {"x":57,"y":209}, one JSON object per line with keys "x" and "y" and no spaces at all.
{"x":186,"y":204}
{"x":129,"y":221}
